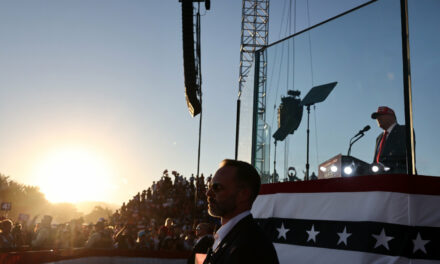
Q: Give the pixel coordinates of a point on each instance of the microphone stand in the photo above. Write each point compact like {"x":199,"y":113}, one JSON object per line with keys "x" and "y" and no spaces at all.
{"x":306,"y":177}
{"x":353,"y":140}
{"x":274,"y":163}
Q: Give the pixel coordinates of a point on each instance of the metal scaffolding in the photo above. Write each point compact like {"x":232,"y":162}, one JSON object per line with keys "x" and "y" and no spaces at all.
{"x":254,"y":36}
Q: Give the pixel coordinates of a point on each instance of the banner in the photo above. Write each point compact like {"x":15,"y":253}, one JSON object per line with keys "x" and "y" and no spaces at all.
{"x":364,"y":219}
{"x":5,"y":206}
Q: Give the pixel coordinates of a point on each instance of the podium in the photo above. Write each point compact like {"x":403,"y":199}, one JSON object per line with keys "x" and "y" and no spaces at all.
{"x":342,"y":166}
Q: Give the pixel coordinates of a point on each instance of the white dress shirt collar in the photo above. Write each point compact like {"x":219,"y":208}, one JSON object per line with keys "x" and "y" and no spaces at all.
{"x":226,"y":228}
{"x":391,"y":128}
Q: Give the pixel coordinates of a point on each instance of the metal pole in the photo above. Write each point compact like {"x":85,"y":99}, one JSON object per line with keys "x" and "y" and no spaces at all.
{"x":237,"y":127}
{"x":308,"y":139}
{"x":255,"y":108}
{"x":200,"y":141}
{"x":274,"y":163}
{"x":410,"y":153}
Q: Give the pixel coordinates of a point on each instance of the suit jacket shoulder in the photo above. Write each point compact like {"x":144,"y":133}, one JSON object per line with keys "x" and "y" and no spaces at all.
{"x":245,"y":243}
{"x":201,"y":247}
{"x":394,"y":150}
{"x":204,"y":244}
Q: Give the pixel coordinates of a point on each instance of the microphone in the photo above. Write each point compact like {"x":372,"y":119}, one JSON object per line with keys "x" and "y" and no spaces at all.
{"x":365,"y":129}
{"x":356,"y":137}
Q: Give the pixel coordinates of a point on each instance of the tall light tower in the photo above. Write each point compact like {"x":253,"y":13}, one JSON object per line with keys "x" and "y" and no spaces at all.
{"x":254,"y":35}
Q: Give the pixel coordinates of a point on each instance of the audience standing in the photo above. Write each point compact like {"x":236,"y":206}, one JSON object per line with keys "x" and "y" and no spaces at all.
{"x":205,"y":239}
{"x":174,"y":200}
{"x":43,"y":233}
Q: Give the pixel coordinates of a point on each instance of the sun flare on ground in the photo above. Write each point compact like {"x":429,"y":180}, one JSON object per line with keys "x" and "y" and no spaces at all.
{"x":74,"y":174}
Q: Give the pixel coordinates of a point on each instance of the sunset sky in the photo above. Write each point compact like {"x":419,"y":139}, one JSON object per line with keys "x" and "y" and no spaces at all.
{"x":92,"y":102}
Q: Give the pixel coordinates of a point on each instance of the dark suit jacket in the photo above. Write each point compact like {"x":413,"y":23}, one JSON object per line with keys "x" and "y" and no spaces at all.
{"x":394,"y":150}
{"x":245,"y":243}
{"x":201,"y":247}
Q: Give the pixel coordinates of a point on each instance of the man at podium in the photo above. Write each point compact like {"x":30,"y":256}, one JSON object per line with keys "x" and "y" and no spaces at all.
{"x":390,"y":149}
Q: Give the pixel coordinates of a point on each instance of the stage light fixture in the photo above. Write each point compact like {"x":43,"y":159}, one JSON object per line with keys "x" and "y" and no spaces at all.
{"x":343,"y":166}
{"x":348,"y":170}
{"x":375,"y":168}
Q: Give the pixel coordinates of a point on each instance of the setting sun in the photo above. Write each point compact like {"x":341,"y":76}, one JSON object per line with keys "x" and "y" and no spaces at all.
{"x":74,"y":174}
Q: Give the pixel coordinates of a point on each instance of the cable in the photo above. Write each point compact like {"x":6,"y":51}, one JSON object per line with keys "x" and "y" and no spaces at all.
{"x":311,"y":73}
{"x":293,"y":45}
{"x":310,"y":43}
{"x":277,"y":85}
{"x":281,"y":62}
{"x":287,"y":30}
{"x":286,"y":141}
{"x":276,"y":50}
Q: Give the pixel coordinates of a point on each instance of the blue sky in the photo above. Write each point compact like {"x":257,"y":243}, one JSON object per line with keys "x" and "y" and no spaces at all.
{"x":107,"y":77}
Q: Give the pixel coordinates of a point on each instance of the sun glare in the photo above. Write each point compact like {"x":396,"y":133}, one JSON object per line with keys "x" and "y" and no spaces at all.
{"x":74,"y":174}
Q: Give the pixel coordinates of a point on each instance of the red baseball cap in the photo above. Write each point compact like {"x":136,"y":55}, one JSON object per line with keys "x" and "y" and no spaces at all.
{"x":383,"y":110}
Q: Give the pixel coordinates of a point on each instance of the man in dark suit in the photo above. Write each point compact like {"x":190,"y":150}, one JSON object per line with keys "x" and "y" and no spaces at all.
{"x":204,"y":241}
{"x":240,"y":239}
{"x":390,"y":147}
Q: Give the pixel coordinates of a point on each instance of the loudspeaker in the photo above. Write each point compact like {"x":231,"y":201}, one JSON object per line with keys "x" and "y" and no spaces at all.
{"x":192,"y":89}
{"x":290,"y":114}
{"x":208,"y":4}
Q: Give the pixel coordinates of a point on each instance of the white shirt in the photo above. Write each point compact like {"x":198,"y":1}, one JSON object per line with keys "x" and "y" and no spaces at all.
{"x":224,"y":229}
{"x":389,"y":130}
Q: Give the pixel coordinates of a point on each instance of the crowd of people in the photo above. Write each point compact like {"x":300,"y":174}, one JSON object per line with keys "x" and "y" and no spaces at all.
{"x":162,"y":217}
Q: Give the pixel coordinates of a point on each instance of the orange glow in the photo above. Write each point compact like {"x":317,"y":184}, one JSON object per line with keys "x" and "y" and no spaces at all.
{"x":74,"y":174}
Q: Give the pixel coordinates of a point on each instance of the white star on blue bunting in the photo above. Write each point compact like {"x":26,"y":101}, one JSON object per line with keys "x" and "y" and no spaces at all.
{"x":312,"y":234}
{"x":419,"y":243}
{"x":382,"y":239}
{"x":343,"y":236}
{"x":282,"y":232}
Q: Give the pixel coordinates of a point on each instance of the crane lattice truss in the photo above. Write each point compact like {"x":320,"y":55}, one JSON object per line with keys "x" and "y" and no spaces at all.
{"x":255,"y":35}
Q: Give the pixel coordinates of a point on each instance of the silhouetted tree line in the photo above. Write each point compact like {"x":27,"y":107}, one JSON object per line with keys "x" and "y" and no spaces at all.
{"x":29,"y":200}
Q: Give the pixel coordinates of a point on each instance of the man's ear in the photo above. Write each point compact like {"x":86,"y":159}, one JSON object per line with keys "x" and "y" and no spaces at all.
{"x":244,"y":195}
